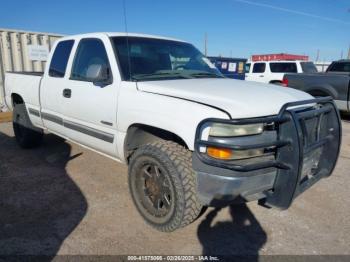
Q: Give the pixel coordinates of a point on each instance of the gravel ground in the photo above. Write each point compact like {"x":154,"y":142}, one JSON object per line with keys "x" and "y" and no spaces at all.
{"x":64,"y":199}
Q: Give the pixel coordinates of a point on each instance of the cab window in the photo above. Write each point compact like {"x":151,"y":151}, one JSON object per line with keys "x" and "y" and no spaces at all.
{"x":259,"y":68}
{"x":308,"y":67}
{"x":283,"y":67}
{"x":91,"y":57}
{"x":339,"y":67}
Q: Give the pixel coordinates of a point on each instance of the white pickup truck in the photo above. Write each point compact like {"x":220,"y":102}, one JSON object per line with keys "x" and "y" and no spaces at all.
{"x":190,"y":137}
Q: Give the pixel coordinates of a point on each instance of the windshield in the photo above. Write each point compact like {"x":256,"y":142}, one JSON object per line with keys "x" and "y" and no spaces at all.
{"x":308,"y":67}
{"x":339,"y":67}
{"x":145,"y":59}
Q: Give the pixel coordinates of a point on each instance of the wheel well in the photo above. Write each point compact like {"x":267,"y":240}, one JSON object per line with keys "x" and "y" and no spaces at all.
{"x":140,"y":134}
{"x":16,"y":99}
{"x":275,"y":82}
{"x":318,"y":93}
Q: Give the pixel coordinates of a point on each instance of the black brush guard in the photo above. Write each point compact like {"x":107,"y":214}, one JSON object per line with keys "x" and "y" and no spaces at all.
{"x":302,"y":127}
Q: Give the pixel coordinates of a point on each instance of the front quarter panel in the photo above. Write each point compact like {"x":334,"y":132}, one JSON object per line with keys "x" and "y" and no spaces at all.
{"x":175,"y":115}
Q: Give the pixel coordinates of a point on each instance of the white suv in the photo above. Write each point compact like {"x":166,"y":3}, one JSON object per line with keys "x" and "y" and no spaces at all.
{"x":273,"y":71}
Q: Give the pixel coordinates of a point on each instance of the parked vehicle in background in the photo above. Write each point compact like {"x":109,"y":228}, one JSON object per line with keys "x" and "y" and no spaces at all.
{"x":190,"y":137}
{"x":230,"y":67}
{"x":335,"y":82}
{"x":273,"y":71}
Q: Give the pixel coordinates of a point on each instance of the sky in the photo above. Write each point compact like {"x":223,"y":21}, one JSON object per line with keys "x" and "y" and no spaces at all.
{"x":234,"y":28}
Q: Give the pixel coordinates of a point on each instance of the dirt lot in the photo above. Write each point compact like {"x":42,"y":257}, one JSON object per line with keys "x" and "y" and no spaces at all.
{"x":64,"y":199}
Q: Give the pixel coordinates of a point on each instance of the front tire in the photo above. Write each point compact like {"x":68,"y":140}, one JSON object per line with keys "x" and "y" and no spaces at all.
{"x":163,"y":185}
{"x":27,"y":135}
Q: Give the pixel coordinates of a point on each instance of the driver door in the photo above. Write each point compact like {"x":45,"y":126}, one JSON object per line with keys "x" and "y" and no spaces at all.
{"x":90,"y":104}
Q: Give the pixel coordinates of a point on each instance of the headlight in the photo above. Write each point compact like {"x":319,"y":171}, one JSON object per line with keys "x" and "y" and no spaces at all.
{"x":231,"y":130}
{"x":227,"y":130}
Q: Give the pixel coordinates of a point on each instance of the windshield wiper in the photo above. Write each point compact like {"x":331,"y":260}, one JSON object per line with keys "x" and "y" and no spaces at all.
{"x":204,"y":74}
{"x":181,"y":74}
{"x":160,"y":74}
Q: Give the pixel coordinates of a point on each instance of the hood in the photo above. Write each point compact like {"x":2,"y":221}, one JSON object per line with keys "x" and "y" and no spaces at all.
{"x":241,"y":99}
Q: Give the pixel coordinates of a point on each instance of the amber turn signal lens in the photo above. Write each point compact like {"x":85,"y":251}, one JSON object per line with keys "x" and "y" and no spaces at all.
{"x":219,"y":153}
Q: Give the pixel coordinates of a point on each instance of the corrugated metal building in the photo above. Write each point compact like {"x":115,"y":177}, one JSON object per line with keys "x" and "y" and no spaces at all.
{"x":23,"y":51}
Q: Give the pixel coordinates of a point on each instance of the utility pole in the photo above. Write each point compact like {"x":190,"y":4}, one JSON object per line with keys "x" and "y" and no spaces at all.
{"x":341,"y":54}
{"x":205,"y":44}
{"x":349,"y":53}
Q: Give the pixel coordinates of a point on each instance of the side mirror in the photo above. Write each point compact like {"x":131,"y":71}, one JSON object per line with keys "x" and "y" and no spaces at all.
{"x":99,"y":74}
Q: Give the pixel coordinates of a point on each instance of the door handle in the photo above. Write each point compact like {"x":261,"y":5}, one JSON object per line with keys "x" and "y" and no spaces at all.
{"x":261,"y":75}
{"x":67,"y":93}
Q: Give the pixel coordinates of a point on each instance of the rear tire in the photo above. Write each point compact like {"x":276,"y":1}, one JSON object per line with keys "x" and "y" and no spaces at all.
{"x":163,"y":185}
{"x":27,"y":135}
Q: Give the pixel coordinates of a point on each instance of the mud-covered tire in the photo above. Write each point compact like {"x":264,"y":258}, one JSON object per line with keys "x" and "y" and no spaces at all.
{"x":27,"y":135}
{"x":175,"y":168}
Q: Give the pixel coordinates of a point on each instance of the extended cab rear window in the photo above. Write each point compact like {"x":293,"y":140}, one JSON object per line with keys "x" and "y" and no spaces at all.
{"x":283,"y":67}
{"x":60,"y":58}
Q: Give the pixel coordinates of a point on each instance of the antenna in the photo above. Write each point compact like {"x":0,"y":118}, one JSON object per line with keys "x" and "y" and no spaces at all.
{"x":127,"y":38}
{"x":205,"y":44}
